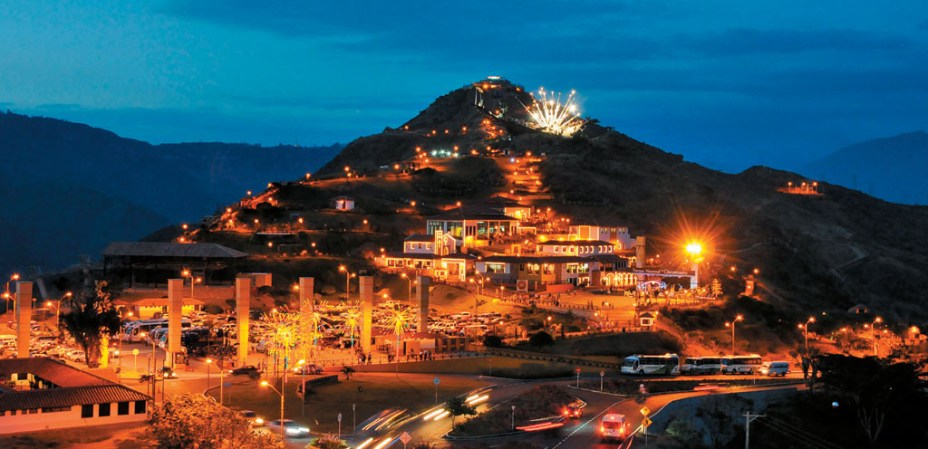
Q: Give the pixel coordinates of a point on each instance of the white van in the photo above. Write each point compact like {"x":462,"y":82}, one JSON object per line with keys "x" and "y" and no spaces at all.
{"x":774,"y":369}
{"x":613,"y":426}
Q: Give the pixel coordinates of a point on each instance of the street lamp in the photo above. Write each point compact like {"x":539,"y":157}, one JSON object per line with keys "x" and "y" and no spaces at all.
{"x":694,"y":249}
{"x":805,"y":328}
{"x":409,"y":285}
{"x":193,"y":279}
{"x":58,"y":310}
{"x":348,"y":276}
{"x":7,"y":294}
{"x":732,"y":325}
{"x":208,"y":363}
{"x":876,"y":321}
{"x":265,"y":383}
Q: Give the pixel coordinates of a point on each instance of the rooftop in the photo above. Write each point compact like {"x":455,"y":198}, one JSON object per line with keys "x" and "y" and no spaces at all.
{"x":73,"y":386}
{"x":168,"y":249}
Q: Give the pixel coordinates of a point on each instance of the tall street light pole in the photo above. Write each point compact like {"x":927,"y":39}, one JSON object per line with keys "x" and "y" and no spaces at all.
{"x":878,"y":320}
{"x":9,"y":295}
{"x":694,"y":249}
{"x":732,"y":325}
{"x":806,"y":331}
{"x":265,"y":383}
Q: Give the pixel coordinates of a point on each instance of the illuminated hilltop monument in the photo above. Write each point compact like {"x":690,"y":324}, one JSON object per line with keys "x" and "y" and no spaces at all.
{"x":548,"y":114}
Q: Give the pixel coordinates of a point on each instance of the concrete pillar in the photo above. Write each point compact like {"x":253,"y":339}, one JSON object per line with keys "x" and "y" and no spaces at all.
{"x":639,"y":252}
{"x":422,"y":295}
{"x":175,"y":311}
{"x":366,"y":291}
{"x":23,"y":318}
{"x":307,"y":307}
{"x":242,"y":308}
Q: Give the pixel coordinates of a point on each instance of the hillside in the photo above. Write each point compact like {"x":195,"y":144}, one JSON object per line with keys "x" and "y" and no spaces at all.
{"x":814,"y":252}
{"x":891,"y":168}
{"x":73,"y":188}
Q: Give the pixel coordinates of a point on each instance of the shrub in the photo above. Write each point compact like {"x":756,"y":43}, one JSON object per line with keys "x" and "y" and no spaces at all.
{"x":492,"y":341}
{"x":541,"y":339}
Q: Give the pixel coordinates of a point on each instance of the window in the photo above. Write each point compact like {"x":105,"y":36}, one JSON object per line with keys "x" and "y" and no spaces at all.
{"x":122,"y":408}
{"x":104,"y":409}
{"x":55,"y":409}
{"x":87,"y":411}
{"x":140,"y":407}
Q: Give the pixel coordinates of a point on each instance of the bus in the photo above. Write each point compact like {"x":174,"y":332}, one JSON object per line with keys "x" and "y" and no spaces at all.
{"x":666,"y":364}
{"x":701,"y":365}
{"x":741,"y":364}
{"x":134,"y":330}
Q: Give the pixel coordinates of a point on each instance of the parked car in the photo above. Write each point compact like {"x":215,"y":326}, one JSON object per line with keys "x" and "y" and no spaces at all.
{"x":291,"y":428}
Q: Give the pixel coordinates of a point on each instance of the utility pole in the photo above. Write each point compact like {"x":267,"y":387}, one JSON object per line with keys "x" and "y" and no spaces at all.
{"x":748,"y":418}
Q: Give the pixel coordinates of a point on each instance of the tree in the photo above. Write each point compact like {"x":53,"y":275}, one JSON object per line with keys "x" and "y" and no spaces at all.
{"x":347,"y":371}
{"x":718,"y":413}
{"x":457,"y":407}
{"x":716,"y":289}
{"x":194,"y":420}
{"x":92,"y":316}
{"x":492,"y":341}
{"x":541,"y":339}
{"x":873,"y":386}
{"x":684,"y":431}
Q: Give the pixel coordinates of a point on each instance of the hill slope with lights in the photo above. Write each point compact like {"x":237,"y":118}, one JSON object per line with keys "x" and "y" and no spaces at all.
{"x":827,"y":248}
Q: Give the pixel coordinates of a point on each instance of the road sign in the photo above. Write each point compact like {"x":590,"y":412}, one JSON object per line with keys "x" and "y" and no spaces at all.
{"x":405,"y":438}
{"x":339,"y":417}
{"x":135,"y":352}
{"x":646,"y":421}
{"x":602,"y":373}
{"x":436,"y":380}
{"x":577,"y":370}
{"x":645,"y":411}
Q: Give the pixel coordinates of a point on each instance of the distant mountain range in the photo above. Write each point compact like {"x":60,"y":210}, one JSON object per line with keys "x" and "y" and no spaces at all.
{"x":892,"y":168}
{"x":66,"y":189}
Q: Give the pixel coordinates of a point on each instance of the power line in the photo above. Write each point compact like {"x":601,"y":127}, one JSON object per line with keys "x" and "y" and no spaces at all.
{"x":808,"y":434}
{"x":798,"y":436}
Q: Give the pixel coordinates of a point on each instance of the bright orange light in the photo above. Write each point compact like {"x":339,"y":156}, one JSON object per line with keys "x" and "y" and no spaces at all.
{"x":694,"y":248}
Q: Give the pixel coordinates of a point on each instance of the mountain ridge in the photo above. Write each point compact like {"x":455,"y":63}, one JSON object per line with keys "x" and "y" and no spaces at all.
{"x":830,"y":251}
{"x":124,"y":178}
{"x":888,"y":167}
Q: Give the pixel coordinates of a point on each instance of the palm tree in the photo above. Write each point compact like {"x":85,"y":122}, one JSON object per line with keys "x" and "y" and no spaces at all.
{"x":399,"y":320}
{"x":284,"y":334}
{"x":352,"y":321}
{"x":456,"y":407}
{"x":347,"y":371}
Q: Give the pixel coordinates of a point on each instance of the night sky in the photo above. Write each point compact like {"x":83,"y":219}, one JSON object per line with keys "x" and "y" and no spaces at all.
{"x":727,"y":84}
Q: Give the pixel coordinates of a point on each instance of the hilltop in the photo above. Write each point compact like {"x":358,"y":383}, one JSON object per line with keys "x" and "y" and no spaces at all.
{"x":827,"y":251}
{"x":73,"y":188}
{"x":891,"y":168}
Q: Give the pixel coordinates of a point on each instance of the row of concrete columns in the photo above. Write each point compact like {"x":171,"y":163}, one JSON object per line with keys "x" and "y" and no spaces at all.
{"x":23,"y":313}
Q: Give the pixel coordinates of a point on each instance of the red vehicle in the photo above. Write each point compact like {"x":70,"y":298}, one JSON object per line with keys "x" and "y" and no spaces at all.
{"x":574,"y":409}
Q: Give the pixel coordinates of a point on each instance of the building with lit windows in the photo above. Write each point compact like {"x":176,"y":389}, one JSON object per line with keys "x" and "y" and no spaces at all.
{"x":473,"y":229}
{"x":42,"y":394}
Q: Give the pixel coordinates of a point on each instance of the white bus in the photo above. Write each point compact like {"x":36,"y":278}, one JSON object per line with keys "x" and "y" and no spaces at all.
{"x":741,"y":364}
{"x":701,"y":365}
{"x":666,"y":364}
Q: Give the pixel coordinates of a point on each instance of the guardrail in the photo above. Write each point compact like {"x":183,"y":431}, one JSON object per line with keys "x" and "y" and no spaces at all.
{"x":528,"y":355}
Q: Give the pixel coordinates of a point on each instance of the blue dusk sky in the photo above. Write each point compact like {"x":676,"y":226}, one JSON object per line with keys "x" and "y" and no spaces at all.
{"x":727,"y":84}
